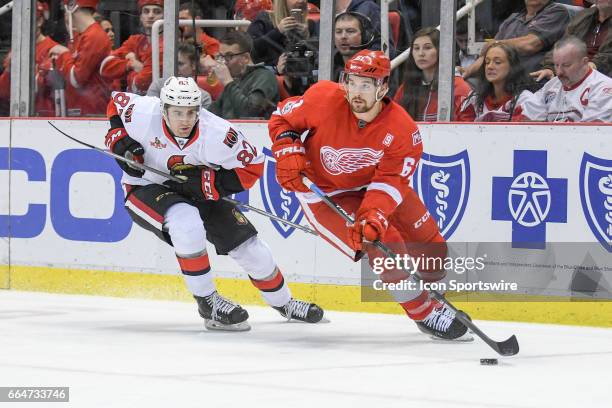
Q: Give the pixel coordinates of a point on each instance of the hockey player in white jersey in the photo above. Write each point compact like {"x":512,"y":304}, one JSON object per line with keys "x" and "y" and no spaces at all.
{"x":577,"y":94}
{"x":173,"y":134}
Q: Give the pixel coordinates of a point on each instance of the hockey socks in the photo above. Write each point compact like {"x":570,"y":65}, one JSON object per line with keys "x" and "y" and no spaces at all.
{"x":274,"y":290}
{"x":420,"y":307}
{"x":196,"y":272}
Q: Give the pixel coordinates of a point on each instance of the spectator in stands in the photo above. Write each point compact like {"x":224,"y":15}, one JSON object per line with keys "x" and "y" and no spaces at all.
{"x":186,"y":67}
{"x":86,"y":93}
{"x":371,"y":9}
{"x":368,"y":8}
{"x":44,"y":105}
{"x":418,"y":93}
{"x":275,"y":32}
{"x":207,"y":43}
{"x":249,"y":9}
{"x":594,"y":26}
{"x":502,"y":87}
{"x":132,"y":62}
{"x":107,"y":26}
{"x":464,"y":58}
{"x":250,"y":90}
{"x":353,"y":32}
{"x":577,"y":94}
{"x":532,"y":31}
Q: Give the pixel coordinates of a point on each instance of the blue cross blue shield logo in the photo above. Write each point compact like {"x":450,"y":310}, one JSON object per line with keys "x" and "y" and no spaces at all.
{"x":443,"y":184}
{"x":596,"y":197}
{"x":278,"y":200}
{"x":529,"y":199}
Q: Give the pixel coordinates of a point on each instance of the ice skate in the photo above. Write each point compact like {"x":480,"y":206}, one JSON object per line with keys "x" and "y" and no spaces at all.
{"x":220,"y":313}
{"x":442,"y":324}
{"x":301,"y":311}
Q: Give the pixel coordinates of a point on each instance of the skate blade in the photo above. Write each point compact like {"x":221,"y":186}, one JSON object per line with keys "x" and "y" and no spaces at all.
{"x":214,"y":325}
{"x":466,"y":338}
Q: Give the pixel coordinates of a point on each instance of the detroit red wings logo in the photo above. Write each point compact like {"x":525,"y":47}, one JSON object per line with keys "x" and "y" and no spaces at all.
{"x":348,"y":160}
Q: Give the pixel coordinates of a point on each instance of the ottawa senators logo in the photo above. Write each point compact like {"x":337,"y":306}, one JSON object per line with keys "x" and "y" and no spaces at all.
{"x":231,"y":138}
{"x":174,"y":160}
{"x":240,"y":219}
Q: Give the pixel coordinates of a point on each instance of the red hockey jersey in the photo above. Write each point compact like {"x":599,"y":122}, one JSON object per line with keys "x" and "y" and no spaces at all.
{"x":116,"y":66}
{"x":86,"y":92}
{"x":44,"y":99}
{"x":344,"y":153}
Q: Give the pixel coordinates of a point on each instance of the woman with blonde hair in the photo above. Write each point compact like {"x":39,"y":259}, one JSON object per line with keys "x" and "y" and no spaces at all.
{"x":273,"y":32}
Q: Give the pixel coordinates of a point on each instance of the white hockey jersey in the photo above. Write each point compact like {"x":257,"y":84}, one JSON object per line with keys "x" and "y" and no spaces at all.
{"x":215,"y":143}
{"x":505,"y":111}
{"x":590,"y":100}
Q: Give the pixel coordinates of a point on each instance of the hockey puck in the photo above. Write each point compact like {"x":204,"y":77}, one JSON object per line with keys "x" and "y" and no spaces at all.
{"x":488,"y":361}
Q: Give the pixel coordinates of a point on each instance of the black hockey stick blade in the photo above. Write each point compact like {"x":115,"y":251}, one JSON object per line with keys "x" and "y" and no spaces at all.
{"x":508,"y":347}
{"x":121,"y":158}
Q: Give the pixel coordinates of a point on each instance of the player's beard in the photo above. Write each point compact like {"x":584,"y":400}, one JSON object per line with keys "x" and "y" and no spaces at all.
{"x":360,"y":105}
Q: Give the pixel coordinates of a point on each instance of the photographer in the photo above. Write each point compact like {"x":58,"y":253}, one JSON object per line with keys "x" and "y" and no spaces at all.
{"x":298,"y":66}
{"x":250,"y":90}
{"x":273,"y":32}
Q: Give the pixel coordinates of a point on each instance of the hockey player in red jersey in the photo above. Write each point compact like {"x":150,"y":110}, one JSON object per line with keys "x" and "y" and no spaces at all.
{"x":361,"y":149}
{"x":44,"y":93}
{"x":86,"y":93}
{"x":173,"y":134}
{"x":132,"y":62}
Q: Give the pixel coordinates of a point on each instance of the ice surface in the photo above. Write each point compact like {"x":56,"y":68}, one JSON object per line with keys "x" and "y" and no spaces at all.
{"x":135,"y":353}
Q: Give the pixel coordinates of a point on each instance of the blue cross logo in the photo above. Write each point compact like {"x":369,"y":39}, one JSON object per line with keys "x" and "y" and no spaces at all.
{"x":529,"y":199}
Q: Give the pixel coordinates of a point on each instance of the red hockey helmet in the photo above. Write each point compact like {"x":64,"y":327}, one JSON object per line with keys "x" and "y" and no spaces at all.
{"x":368,"y":63}
{"x":250,"y":8}
{"x":71,"y":4}
{"x":142,"y":3}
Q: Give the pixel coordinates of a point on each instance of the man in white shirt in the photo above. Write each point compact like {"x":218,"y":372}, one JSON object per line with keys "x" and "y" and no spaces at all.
{"x":577,"y":94}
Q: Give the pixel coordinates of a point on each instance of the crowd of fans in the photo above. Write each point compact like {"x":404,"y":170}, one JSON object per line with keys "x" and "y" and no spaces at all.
{"x":548,"y":60}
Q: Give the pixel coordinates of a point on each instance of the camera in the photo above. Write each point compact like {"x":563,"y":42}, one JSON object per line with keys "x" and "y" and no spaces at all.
{"x":301,"y":60}
{"x":301,"y":66}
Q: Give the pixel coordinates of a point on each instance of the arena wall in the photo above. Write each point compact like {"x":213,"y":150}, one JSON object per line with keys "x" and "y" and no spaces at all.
{"x":64,"y":228}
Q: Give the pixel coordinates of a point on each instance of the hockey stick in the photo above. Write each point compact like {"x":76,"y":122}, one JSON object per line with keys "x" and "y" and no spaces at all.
{"x":131,"y":163}
{"x":508,"y":347}
{"x":180,"y":180}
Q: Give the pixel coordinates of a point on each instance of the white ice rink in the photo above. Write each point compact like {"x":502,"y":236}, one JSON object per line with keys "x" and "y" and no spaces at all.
{"x":135,"y":353}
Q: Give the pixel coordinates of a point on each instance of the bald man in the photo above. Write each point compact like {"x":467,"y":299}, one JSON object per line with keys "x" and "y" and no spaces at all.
{"x":577,"y":94}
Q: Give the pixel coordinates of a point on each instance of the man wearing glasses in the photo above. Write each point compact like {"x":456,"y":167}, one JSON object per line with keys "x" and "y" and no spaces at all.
{"x":250,"y":90}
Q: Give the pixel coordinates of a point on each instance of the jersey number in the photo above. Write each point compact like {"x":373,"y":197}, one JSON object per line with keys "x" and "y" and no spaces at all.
{"x":246,"y":155}
{"x":121,"y":99}
{"x":408,"y":167}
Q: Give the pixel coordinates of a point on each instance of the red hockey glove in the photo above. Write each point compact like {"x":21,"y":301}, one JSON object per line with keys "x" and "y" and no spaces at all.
{"x":290,"y":162}
{"x":199,"y":184}
{"x":370,"y":224}
{"x":119,"y":142}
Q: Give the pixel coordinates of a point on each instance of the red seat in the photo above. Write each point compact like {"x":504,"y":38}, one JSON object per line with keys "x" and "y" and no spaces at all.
{"x":394,"y":25}
{"x":314,"y":16}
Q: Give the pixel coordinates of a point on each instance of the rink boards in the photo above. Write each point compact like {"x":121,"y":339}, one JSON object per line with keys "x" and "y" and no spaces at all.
{"x":64,"y":228}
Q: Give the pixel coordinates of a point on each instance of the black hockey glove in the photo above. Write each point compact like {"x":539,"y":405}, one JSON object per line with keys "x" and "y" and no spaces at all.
{"x":199,"y":182}
{"x":119,"y":142}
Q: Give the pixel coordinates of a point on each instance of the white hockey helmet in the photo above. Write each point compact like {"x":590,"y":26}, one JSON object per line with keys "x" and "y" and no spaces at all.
{"x":180,"y":91}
